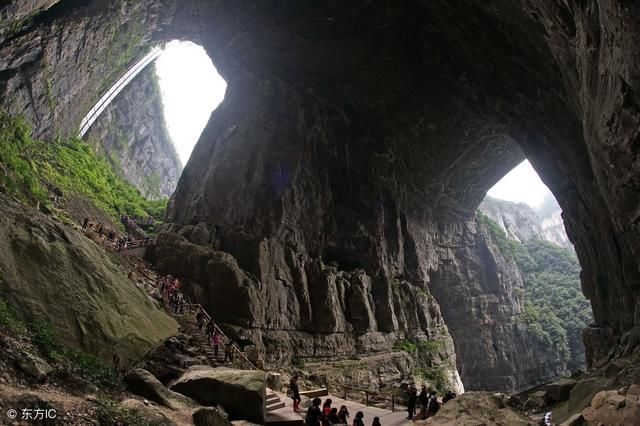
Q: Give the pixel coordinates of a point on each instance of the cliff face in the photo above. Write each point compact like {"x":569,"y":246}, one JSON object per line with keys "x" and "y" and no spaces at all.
{"x":131,"y":133}
{"x":522,"y":223}
{"x":481,"y":292}
{"x":352,"y":131}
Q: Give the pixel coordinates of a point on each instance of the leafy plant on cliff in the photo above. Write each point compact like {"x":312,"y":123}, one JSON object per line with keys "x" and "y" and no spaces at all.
{"x":29,"y":166}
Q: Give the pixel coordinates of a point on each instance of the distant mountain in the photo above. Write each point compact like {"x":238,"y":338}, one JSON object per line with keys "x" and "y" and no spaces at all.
{"x":522,"y":223}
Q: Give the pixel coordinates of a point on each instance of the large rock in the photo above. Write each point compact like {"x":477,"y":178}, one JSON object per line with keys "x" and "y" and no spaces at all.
{"x":241,"y":393}
{"x":558,"y":391}
{"x":150,"y":414}
{"x":143,"y":383}
{"x":619,"y":407}
{"x":32,"y":365}
{"x":478,"y":408}
{"x":55,"y":273}
{"x":210,"y":416}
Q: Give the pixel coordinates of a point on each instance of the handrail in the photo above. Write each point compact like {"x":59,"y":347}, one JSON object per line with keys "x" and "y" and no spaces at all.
{"x":388,"y":395}
{"x":122,"y":82}
{"x":136,"y":228}
{"x":224,"y":336}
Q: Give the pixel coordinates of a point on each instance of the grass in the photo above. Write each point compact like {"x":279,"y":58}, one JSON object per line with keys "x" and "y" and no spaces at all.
{"x":28,"y":167}
{"x":45,"y":338}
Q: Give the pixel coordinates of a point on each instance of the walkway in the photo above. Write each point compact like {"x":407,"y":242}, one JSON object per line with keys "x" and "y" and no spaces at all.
{"x":387,"y":417}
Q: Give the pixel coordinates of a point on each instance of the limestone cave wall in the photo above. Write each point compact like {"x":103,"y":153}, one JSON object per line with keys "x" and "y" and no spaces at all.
{"x":350,"y":130}
{"x":132,"y":135}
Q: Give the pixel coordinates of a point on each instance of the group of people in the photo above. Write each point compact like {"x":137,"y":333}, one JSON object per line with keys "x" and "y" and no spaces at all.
{"x":170,"y":288}
{"x":213,"y":335}
{"x":426,"y":400}
{"x":327,"y":415}
{"x":98,"y":229}
{"x":110,"y":236}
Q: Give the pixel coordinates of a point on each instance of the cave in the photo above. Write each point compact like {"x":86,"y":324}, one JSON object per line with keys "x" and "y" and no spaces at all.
{"x":366,"y":133}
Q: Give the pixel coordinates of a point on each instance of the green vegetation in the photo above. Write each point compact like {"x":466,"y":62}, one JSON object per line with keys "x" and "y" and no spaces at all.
{"x":45,"y":338}
{"x":435,"y":376}
{"x":29,"y":167}
{"x":109,"y":412}
{"x":555,"y":309}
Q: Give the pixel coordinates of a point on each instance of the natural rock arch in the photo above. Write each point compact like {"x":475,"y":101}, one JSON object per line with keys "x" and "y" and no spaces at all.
{"x":365,"y":127}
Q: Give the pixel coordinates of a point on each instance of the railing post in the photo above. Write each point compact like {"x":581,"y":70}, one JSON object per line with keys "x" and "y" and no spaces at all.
{"x":367,"y":397}
{"x":393,"y":403}
{"x":345,"y":393}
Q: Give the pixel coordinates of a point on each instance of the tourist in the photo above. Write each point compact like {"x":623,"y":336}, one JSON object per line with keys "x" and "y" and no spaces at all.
{"x":376,"y":422}
{"x":333,"y":417}
{"x":326,"y":410}
{"x":359,"y":419}
{"x":200,"y":317}
{"x":343,"y":415}
{"x":412,"y":396}
{"x":433,"y":405}
{"x":313,"y":413}
{"x":85,"y":223}
{"x":210,"y":330}
{"x":294,"y":393}
{"x":448,"y":397}
{"x":228,"y":352}
{"x":424,"y":402}
{"x":215,"y":341}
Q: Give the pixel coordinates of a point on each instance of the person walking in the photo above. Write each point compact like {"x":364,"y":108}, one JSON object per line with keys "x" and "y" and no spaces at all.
{"x":326,"y":410}
{"x":433,"y":405}
{"x":424,"y":402}
{"x":228,"y":352}
{"x":343,"y":415}
{"x":294,"y":393}
{"x":359,"y":419}
{"x":412,"y":396}
{"x":376,"y":422}
{"x":333,"y":417}
{"x":313,"y":413}
{"x":215,"y":341}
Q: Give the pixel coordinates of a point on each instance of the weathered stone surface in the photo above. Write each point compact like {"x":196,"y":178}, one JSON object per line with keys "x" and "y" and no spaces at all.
{"x":474,"y":408}
{"x":33,"y":365}
{"x":241,"y":393}
{"x":352,"y":131}
{"x":612,"y":408}
{"x":558,"y":391}
{"x":480,"y":293}
{"x":149,"y":413}
{"x":132,"y":135}
{"x":143,"y":383}
{"x":210,"y":416}
{"x":55,"y":273}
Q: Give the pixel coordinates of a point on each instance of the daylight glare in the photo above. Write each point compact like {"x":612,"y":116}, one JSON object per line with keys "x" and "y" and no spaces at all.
{"x":521,"y":185}
{"x":191,"y":89}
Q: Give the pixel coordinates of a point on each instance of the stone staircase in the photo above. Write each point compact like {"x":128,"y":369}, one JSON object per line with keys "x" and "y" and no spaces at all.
{"x":190,"y":326}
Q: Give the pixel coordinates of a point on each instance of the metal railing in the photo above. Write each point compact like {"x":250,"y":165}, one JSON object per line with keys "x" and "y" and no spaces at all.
{"x":388,"y":397}
{"x":122,"y":82}
{"x":127,"y":221}
{"x":193,"y":307}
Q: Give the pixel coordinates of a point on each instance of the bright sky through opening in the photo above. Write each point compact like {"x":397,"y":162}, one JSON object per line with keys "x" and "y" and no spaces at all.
{"x":521,"y":185}
{"x":191,"y":89}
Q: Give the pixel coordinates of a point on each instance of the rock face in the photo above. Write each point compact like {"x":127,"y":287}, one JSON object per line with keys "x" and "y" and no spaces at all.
{"x":519,"y":221}
{"x":475,"y":408}
{"x":55,"y":273}
{"x":522,"y":223}
{"x":142,"y":383}
{"x":241,"y":393}
{"x":480,"y":293}
{"x":356,"y":132}
{"x":131,"y":133}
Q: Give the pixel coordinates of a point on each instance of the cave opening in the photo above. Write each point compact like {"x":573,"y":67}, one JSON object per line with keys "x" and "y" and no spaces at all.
{"x":191,"y":89}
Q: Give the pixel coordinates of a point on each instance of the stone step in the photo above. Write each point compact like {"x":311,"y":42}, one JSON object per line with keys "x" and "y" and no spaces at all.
{"x":272,"y":397}
{"x":274,"y":406}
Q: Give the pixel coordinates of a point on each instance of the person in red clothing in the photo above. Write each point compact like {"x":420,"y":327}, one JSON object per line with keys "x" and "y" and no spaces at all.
{"x":326,"y":411}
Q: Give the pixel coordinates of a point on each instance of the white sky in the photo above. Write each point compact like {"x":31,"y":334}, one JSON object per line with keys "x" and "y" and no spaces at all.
{"x":521,"y":185}
{"x":191,"y":89}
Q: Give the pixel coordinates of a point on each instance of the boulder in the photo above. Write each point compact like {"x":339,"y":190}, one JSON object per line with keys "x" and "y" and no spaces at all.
{"x":32,"y":365}
{"x":472,"y":408}
{"x":210,"y":416}
{"x":536,"y":400}
{"x":613,"y":408}
{"x":241,"y":393}
{"x":143,"y":383}
{"x":148,"y":413}
{"x":274,"y":381}
{"x":558,"y":391}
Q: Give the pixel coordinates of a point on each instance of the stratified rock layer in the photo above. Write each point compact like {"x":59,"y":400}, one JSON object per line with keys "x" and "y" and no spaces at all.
{"x":131,"y":134}
{"x":53,"y":273}
{"x":352,"y":131}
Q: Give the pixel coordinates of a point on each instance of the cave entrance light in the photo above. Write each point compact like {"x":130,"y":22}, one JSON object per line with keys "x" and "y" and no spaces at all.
{"x":191,"y":89}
